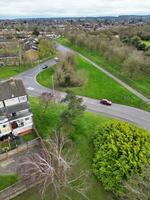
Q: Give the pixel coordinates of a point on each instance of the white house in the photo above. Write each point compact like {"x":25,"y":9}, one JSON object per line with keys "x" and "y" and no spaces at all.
{"x":15,"y":110}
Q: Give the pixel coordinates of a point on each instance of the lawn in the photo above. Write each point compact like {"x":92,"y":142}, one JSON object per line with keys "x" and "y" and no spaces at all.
{"x":84,"y":128}
{"x":141,"y":82}
{"x":97,"y":85}
{"x":7,"y":180}
{"x":9,"y":71}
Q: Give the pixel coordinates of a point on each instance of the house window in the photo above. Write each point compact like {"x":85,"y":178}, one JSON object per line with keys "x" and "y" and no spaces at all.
{"x":14,"y":114}
{"x":20,"y":123}
{"x":27,"y":119}
{"x":14,"y":125}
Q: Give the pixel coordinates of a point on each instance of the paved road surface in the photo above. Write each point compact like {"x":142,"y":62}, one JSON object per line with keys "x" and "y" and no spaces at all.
{"x":135,"y":92}
{"x":130,"y":114}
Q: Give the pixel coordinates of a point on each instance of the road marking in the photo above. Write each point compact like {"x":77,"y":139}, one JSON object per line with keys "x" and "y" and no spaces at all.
{"x":30,"y":88}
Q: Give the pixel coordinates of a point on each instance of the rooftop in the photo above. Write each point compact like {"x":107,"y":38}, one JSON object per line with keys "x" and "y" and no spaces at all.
{"x":11,"y":89}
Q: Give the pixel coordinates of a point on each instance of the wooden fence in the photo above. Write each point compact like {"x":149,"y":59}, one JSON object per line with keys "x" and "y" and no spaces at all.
{"x":16,"y":189}
{"x":20,"y":148}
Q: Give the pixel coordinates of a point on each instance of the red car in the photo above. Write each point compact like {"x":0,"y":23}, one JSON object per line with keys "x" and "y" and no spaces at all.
{"x":105,"y":102}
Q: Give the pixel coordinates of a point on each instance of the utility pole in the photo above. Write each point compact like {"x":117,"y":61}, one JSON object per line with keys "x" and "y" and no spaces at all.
{"x":20,"y":53}
{"x":53,"y":87}
{"x":39,"y":68}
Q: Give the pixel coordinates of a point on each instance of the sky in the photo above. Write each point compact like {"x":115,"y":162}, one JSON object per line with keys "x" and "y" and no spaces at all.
{"x":72,"y":8}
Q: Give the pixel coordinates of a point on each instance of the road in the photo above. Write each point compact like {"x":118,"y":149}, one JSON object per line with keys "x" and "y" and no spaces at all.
{"x":126,"y":113}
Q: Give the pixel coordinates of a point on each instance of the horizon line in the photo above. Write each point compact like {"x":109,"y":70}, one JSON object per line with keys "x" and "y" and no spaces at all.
{"x":59,"y":17}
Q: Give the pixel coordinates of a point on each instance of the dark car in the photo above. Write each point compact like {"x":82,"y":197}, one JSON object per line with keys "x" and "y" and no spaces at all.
{"x":105,"y":102}
{"x":45,"y":67}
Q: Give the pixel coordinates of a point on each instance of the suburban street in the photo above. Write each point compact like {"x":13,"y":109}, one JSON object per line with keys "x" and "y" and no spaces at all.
{"x":126,"y":113}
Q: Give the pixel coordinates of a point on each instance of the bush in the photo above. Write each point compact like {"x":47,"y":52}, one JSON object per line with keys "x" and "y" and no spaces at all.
{"x":121,"y":150}
{"x":66,"y":74}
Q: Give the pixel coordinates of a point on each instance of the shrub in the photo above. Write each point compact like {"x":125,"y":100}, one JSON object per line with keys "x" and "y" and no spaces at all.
{"x":121,"y":150}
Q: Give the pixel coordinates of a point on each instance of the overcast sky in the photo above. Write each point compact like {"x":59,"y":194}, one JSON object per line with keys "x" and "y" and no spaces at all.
{"x":71,"y":8}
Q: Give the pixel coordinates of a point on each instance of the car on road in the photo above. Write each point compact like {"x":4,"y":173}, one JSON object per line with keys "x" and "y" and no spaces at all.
{"x":56,"y":59}
{"x":45,"y":67}
{"x":105,"y":102}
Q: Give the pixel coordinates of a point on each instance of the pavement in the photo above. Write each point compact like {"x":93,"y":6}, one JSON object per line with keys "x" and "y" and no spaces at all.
{"x":11,"y":164}
{"x":126,"y":113}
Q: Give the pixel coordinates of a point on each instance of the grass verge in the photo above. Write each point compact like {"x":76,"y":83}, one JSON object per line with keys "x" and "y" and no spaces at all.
{"x":7,"y":180}
{"x":140,"y":82}
{"x":97,"y":85}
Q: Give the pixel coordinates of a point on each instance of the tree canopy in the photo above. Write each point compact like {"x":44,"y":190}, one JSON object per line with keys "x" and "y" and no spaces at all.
{"x":121,"y":151}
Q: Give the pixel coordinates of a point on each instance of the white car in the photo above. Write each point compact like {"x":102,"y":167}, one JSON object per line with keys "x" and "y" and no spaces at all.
{"x":56,"y":59}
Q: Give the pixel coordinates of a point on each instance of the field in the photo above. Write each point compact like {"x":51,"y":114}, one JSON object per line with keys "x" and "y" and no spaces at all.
{"x":82,"y":135}
{"x":97,"y":85}
{"x":141,"y":82}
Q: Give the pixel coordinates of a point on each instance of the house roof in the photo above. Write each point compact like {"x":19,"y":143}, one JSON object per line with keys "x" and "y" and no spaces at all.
{"x":7,"y":55}
{"x":11,"y":89}
{"x":17,"y":108}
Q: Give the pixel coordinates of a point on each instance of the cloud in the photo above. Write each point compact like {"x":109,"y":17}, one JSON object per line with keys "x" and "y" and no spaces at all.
{"x":62,"y":8}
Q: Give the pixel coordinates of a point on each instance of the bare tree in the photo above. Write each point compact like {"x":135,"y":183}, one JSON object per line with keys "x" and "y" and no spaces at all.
{"x":45,"y":99}
{"x":54,"y":167}
{"x":137,"y":187}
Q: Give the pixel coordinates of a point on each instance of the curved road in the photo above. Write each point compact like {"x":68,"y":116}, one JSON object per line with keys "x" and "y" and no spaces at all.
{"x":126,"y":113}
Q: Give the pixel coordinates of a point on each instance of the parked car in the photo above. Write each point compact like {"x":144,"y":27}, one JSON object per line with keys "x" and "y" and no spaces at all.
{"x":105,"y":102}
{"x":45,"y":67}
{"x":56,"y":59}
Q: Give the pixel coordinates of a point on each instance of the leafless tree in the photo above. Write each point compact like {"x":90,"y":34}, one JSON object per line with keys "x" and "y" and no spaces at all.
{"x":137,"y":187}
{"x":45,"y":99}
{"x":54,"y":167}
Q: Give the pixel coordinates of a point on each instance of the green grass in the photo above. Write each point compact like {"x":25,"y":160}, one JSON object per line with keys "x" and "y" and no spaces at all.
{"x":46,"y":121}
{"x":141,"y":82}
{"x":7,"y":180}
{"x":97,"y":85}
{"x":147,"y":43}
{"x":29,"y":137}
{"x":9,"y":71}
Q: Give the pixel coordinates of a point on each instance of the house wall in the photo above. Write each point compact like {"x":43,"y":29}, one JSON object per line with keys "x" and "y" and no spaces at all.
{"x":1,"y":104}
{"x":19,"y":123}
{"x":11,"y":102}
{"x":14,"y":101}
{"x":22,"y":124}
{"x":5,"y":129}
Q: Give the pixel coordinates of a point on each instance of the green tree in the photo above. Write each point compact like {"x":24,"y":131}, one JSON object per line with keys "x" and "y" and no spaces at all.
{"x":75,"y":109}
{"x":35,"y":32}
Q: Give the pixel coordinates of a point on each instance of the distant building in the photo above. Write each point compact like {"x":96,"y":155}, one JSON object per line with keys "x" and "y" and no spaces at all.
{"x":9,"y":59}
{"x":15,"y":110}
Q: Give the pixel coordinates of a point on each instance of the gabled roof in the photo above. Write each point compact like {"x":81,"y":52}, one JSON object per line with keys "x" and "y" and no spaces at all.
{"x":17,"y":108}
{"x":11,"y":89}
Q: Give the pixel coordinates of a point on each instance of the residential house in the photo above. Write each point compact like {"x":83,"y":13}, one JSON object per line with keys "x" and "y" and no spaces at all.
{"x":9,"y":59}
{"x":30,"y":48}
{"x":15,"y":110}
